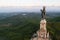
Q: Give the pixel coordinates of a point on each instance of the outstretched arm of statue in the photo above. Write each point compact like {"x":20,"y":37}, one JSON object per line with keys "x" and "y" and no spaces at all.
{"x":41,"y":13}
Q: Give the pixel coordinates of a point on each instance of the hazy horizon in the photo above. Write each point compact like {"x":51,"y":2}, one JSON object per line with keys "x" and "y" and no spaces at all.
{"x":29,"y":9}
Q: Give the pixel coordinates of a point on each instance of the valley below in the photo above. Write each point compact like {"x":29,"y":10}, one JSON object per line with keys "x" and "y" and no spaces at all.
{"x":22,"y":25}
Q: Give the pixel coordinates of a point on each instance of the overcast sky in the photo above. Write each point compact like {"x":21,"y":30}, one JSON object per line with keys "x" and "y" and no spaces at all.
{"x":4,"y":3}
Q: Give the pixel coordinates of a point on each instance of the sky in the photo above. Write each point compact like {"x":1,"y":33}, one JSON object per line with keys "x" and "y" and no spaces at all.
{"x":28,"y":5}
{"x":5,"y":3}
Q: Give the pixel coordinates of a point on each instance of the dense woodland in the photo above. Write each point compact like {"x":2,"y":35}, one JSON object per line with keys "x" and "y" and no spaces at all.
{"x":24,"y":25}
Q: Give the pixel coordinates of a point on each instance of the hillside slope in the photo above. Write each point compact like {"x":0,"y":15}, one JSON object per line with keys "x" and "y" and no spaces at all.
{"x":22,"y":27}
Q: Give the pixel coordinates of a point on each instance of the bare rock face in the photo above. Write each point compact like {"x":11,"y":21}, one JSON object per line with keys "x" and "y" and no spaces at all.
{"x":43,"y":24}
{"x":42,"y":33}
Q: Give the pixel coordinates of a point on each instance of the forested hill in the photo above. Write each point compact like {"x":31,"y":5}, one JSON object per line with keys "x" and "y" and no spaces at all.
{"x":22,"y":26}
{"x":19,"y":27}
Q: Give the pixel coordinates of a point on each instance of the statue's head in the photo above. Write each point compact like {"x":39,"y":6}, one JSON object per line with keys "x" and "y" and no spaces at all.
{"x":43,"y":7}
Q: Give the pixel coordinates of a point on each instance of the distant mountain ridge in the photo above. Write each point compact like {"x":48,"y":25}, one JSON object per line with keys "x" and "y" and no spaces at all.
{"x":49,"y":14}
